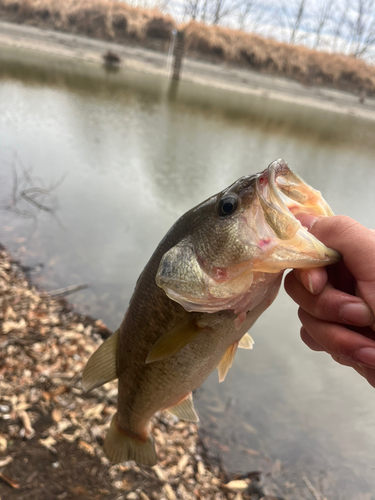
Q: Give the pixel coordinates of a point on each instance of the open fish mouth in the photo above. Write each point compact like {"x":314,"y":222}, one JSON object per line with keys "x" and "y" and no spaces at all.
{"x":287,"y":190}
{"x":289,"y":206}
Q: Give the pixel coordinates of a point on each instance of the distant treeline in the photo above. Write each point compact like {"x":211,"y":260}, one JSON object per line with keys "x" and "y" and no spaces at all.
{"x":120,"y":22}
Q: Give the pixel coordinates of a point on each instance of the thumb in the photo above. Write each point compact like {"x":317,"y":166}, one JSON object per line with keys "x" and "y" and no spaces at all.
{"x":356,"y":244}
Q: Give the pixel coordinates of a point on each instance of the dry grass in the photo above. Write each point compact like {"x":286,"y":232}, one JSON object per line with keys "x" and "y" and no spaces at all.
{"x":105,"y":19}
{"x":308,"y":66}
{"x":117,"y":21}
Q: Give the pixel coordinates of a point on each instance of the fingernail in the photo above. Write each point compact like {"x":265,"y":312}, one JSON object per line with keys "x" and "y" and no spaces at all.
{"x":305,"y":279}
{"x":310,"y":284}
{"x":312,"y":222}
{"x":356,"y":313}
{"x":366,"y":356}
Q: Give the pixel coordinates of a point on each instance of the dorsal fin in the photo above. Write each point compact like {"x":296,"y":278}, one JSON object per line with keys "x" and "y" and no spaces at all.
{"x":173,"y":341}
{"x":101,"y":367}
{"x":246,"y":342}
{"x":227,"y":361}
{"x":185,"y":409}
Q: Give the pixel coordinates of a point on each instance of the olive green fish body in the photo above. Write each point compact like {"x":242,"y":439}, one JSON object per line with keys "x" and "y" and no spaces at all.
{"x":217,"y":269}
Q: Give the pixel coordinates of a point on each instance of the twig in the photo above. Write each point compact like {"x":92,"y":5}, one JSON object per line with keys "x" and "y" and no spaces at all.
{"x":29,"y":431}
{"x":63,"y":292}
{"x":311,"y":489}
{"x":5,"y":461}
{"x":10,"y":481}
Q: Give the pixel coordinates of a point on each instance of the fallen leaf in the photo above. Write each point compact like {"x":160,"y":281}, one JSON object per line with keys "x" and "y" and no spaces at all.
{"x":49,"y":443}
{"x":28,"y":429}
{"x":9,"y":326}
{"x":3,"y":444}
{"x":56,"y":415}
{"x":238,"y":484}
{"x":86,"y":447}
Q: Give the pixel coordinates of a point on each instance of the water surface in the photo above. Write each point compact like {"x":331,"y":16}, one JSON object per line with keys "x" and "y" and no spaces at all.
{"x":133,"y":162}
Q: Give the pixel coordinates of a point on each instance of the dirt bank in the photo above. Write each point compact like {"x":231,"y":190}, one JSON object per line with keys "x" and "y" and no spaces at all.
{"x":25,"y":44}
{"x":119,"y":22}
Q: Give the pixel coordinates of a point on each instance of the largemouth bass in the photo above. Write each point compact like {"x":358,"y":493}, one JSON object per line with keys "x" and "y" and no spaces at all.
{"x":213,"y":274}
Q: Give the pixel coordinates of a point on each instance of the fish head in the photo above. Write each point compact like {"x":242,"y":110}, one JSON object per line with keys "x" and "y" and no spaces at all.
{"x":236,"y":243}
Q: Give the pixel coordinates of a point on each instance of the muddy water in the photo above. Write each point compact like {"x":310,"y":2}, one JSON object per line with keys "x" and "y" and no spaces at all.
{"x":132,"y":161}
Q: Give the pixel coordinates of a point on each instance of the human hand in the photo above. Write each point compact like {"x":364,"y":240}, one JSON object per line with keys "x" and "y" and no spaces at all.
{"x":337,"y":303}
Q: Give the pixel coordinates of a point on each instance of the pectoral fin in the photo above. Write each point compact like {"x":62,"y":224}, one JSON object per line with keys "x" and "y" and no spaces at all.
{"x":101,"y":367}
{"x":227,"y":361}
{"x":185,"y":409}
{"x":173,"y":341}
{"x":246,"y":342}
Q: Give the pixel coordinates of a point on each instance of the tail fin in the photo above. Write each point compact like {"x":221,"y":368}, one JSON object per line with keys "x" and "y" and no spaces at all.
{"x":121,"y":447}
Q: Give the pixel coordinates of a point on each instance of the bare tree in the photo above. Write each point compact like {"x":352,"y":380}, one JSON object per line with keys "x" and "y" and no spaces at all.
{"x":322,"y":16}
{"x":250,"y":14}
{"x":339,"y":22}
{"x":204,"y":12}
{"x":220,"y":10}
{"x":192,"y":9}
{"x":361,"y":26}
{"x":292,"y":17}
{"x":208,"y":11}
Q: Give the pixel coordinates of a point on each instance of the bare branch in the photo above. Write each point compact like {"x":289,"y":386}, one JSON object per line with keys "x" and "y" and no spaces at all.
{"x":29,"y":195}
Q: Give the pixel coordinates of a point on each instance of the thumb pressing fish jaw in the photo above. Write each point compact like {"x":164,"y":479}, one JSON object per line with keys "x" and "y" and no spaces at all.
{"x":222,"y":263}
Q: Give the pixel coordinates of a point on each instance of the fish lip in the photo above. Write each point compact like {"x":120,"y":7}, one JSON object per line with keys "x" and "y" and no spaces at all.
{"x":268,"y":189}
{"x":270,"y":174}
{"x":268,"y":178}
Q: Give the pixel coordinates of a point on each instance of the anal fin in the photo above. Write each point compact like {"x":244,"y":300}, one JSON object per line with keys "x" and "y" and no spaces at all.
{"x":227,"y":361}
{"x":121,"y":446}
{"x":101,"y":367}
{"x":246,"y":342}
{"x":185,"y":409}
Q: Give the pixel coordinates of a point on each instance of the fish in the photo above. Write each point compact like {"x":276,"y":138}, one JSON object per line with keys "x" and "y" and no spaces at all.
{"x":213,"y":274}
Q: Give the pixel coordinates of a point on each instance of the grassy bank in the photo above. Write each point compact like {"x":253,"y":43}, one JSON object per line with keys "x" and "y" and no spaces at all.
{"x":117,"y":21}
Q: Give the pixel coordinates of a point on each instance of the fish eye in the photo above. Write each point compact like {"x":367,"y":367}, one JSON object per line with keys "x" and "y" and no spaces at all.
{"x":228,"y":205}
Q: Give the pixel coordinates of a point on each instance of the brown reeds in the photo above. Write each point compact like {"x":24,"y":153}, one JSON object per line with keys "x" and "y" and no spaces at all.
{"x":308,"y":66}
{"x":104,"y":19}
{"x":117,"y":21}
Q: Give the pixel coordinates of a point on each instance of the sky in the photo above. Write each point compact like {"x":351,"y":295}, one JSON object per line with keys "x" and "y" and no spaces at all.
{"x":344,"y":29}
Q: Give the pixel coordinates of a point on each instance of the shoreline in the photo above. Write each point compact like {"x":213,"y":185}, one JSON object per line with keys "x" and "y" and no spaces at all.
{"x":24,"y":43}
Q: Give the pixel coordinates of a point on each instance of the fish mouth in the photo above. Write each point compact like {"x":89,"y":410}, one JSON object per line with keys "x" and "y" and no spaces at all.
{"x":289,"y":207}
{"x":291,"y":194}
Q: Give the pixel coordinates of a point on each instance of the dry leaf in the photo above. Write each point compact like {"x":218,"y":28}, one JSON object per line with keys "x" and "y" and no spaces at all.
{"x":49,"y":443}
{"x":28,"y":429}
{"x":9,"y":326}
{"x":3,"y":444}
{"x":56,"y":415}
{"x":86,"y":447}
{"x":169,"y":492}
{"x":238,"y":484}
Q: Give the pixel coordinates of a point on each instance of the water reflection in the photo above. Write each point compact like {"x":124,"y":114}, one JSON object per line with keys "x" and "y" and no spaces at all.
{"x":136,"y":160}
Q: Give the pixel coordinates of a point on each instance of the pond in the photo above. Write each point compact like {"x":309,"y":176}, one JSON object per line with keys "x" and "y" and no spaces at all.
{"x":131,"y":160}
